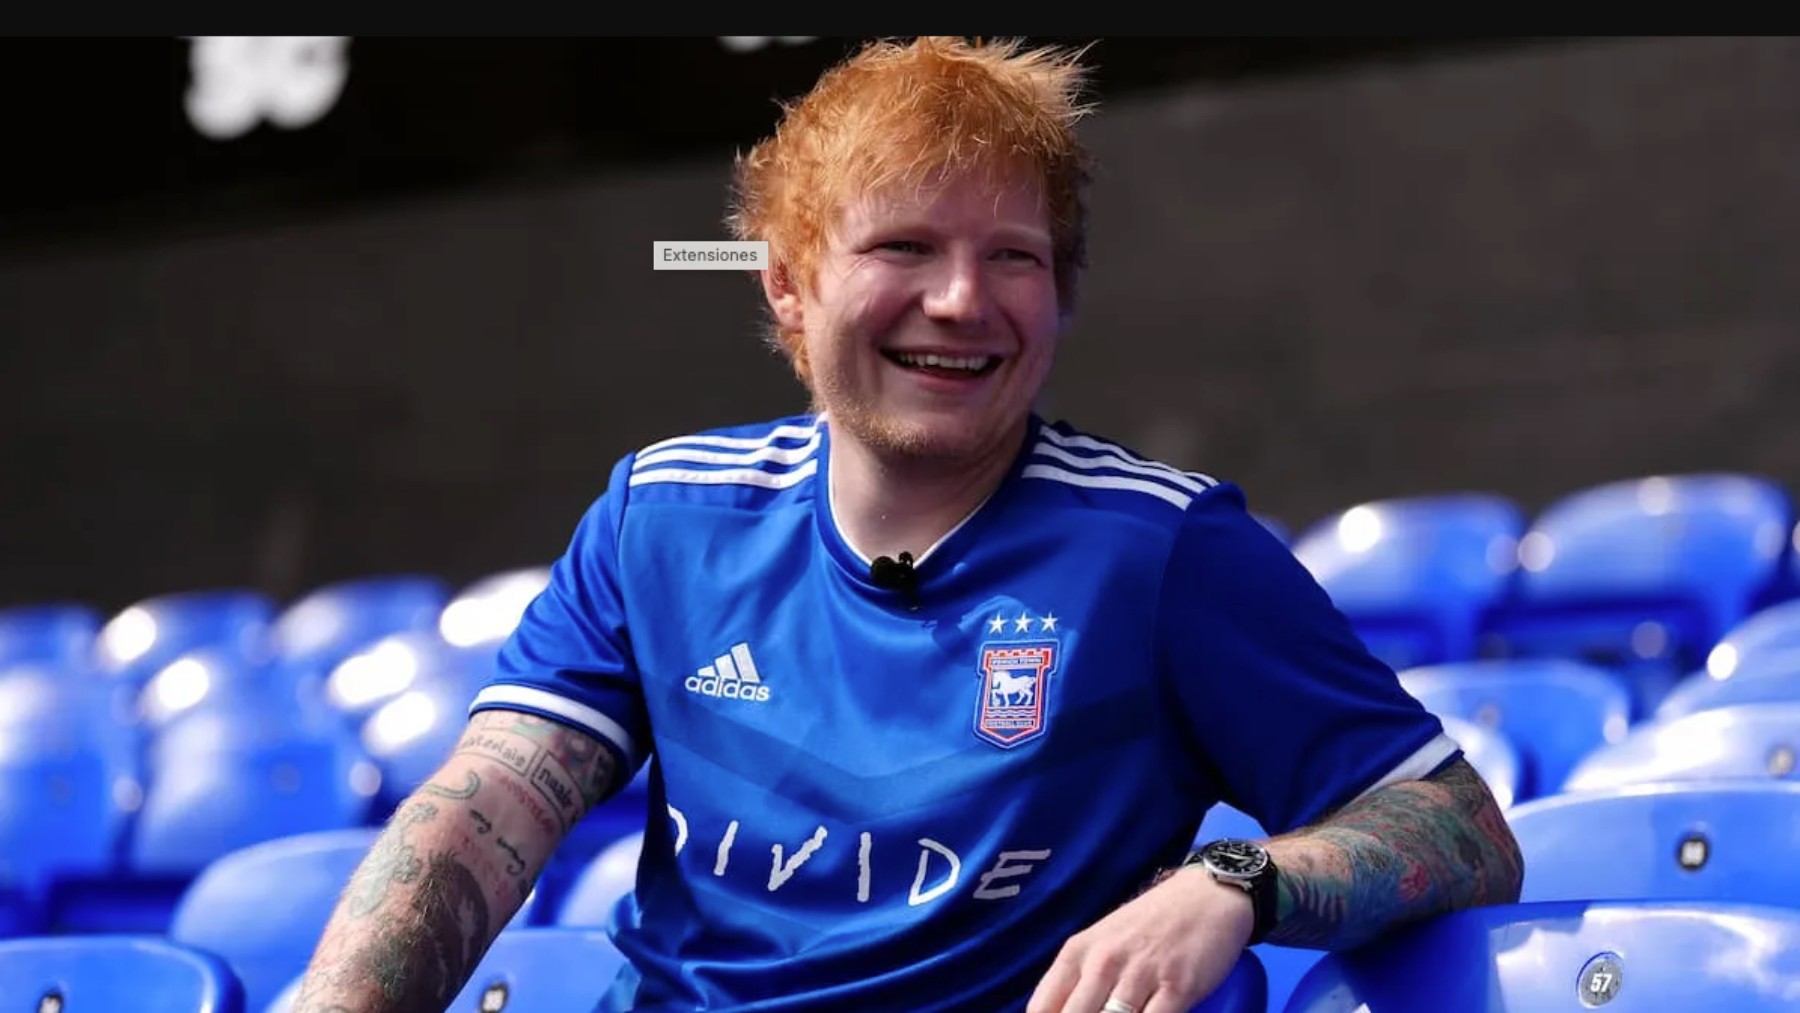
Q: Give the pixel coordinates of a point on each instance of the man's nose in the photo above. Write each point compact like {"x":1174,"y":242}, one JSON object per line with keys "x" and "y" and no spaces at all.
{"x":958,"y":293}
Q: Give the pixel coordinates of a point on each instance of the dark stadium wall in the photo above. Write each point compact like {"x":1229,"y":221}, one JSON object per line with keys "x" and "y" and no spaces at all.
{"x":1522,"y":272}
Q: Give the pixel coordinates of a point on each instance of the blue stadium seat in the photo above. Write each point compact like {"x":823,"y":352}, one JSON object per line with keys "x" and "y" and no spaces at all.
{"x":1645,"y":575}
{"x":487,"y":611}
{"x":54,"y":635}
{"x":607,"y":878}
{"x":144,"y":638}
{"x":543,"y":970}
{"x":333,"y":622}
{"x":624,"y":814}
{"x":263,"y":908}
{"x":1553,"y":712}
{"x":382,"y":672}
{"x":1749,"y":742}
{"x":1773,"y":630}
{"x":1664,"y":842}
{"x":221,"y":781}
{"x":215,"y":680}
{"x":1618,"y":956}
{"x":1244,"y":990}
{"x":1415,"y":575}
{"x":1766,"y":677}
{"x":66,"y":779}
{"x":139,"y":974}
{"x":412,"y":735}
{"x":226,"y":781}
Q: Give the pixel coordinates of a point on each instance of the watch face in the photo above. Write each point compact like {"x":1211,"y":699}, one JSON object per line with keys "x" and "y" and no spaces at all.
{"x":1236,"y":858}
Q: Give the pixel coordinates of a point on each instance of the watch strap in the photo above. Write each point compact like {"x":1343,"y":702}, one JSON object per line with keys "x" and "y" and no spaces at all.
{"x":1264,"y":891}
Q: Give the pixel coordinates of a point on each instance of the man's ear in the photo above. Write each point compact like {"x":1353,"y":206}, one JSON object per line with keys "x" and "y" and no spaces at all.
{"x":784,"y":297}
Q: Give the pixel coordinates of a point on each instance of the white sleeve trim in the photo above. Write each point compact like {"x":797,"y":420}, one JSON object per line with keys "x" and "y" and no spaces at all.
{"x":583,"y":716}
{"x":1423,"y":761}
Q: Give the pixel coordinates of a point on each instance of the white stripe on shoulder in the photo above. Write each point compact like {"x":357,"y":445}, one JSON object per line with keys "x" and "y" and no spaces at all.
{"x":729,"y":476}
{"x":789,"y":432}
{"x":1115,"y":456}
{"x":579,"y":714}
{"x":1093,"y":481}
{"x":766,"y":453}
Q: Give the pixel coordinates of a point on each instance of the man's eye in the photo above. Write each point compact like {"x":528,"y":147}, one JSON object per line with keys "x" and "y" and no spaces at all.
{"x":1022,"y":255}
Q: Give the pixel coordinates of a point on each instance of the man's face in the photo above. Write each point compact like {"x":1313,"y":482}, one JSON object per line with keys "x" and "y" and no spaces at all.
{"x":933,"y":319}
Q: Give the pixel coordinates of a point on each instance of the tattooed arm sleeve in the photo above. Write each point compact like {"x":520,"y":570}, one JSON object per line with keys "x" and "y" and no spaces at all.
{"x":1403,"y":853}
{"x":453,"y":866}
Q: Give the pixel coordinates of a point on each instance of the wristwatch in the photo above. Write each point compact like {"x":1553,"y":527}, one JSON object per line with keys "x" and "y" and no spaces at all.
{"x":1247,"y":866}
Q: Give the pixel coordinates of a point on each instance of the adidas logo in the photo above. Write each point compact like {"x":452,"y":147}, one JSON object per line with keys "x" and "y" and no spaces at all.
{"x":731,"y":676}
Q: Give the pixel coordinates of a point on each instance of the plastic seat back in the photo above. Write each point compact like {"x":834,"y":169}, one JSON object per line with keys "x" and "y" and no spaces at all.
{"x":140,"y":974}
{"x":226,"y":781}
{"x":1767,"y":677}
{"x":1773,"y":630}
{"x":263,"y":908}
{"x":596,"y":892}
{"x":487,"y":611}
{"x":1416,"y":575}
{"x":1619,"y":956}
{"x":543,"y":970}
{"x":1663,"y":842}
{"x":383,"y":671}
{"x":1553,"y":712}
{"x":335,"y":621}
{"x":64,"y":765}
{"x":1755,"y":742}
{"x":52,"y":635}
{"x":412,"y":735}
{"x":1648,"y":573}
{"x":144,"y":638}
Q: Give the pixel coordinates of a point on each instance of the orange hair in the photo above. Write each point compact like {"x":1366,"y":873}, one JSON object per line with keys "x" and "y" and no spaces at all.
{"x":901,"y":115}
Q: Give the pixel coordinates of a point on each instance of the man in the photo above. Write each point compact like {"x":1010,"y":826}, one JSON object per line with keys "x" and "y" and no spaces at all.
{"x":938,"y":692}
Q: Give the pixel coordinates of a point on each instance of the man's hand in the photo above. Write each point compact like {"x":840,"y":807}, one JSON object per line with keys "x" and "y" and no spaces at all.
{"x":1162,"y":952}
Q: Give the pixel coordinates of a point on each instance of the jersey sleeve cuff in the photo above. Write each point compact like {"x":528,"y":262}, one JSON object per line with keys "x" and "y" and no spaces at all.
{"x":1422,"y":762}
{"x":546,"y":704}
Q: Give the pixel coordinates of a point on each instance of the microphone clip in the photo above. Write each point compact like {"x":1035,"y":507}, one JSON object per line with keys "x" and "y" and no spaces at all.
{"x":896,"y":575}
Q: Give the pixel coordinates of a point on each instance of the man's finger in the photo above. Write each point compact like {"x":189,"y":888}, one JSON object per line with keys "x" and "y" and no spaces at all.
{"x":1132,"y":989}
{"x":1053,"y":989}
{"x":1165,"y":1001}
{"x":1091,"y":993}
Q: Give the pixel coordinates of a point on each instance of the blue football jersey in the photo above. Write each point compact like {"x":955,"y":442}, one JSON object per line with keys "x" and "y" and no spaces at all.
{"x":876,"y":798}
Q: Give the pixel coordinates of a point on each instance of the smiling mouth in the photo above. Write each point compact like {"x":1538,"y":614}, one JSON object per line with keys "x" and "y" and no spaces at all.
{"x":967,"y":366}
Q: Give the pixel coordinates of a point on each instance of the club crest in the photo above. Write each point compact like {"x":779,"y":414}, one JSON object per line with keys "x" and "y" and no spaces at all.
{"x":1017,"y":660}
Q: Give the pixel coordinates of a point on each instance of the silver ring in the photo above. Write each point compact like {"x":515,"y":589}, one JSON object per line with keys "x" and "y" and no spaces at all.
{"x":1118,"y":1006}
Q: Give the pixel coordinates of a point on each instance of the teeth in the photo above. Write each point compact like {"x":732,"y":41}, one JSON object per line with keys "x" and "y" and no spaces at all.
{"x":973,"y":364}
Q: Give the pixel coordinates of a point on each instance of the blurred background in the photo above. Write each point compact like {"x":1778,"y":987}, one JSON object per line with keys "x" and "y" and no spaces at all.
{"x":313,"y":350}
{"x":412,"y":331}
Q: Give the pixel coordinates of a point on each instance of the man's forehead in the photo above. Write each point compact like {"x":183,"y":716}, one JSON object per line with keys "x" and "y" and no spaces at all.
{"x":1009,"y":203}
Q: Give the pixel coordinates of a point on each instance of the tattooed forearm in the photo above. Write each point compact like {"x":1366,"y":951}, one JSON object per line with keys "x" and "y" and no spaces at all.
{"x":467,"y":791}
{"x":568,"y":769}
{"x":427,"y":922}
{"x":516,"y":864}
{"x":423,"y":960}
{"x":452,"y":867}
{"x":1409,"y":851}
{"x":391,"y":861}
